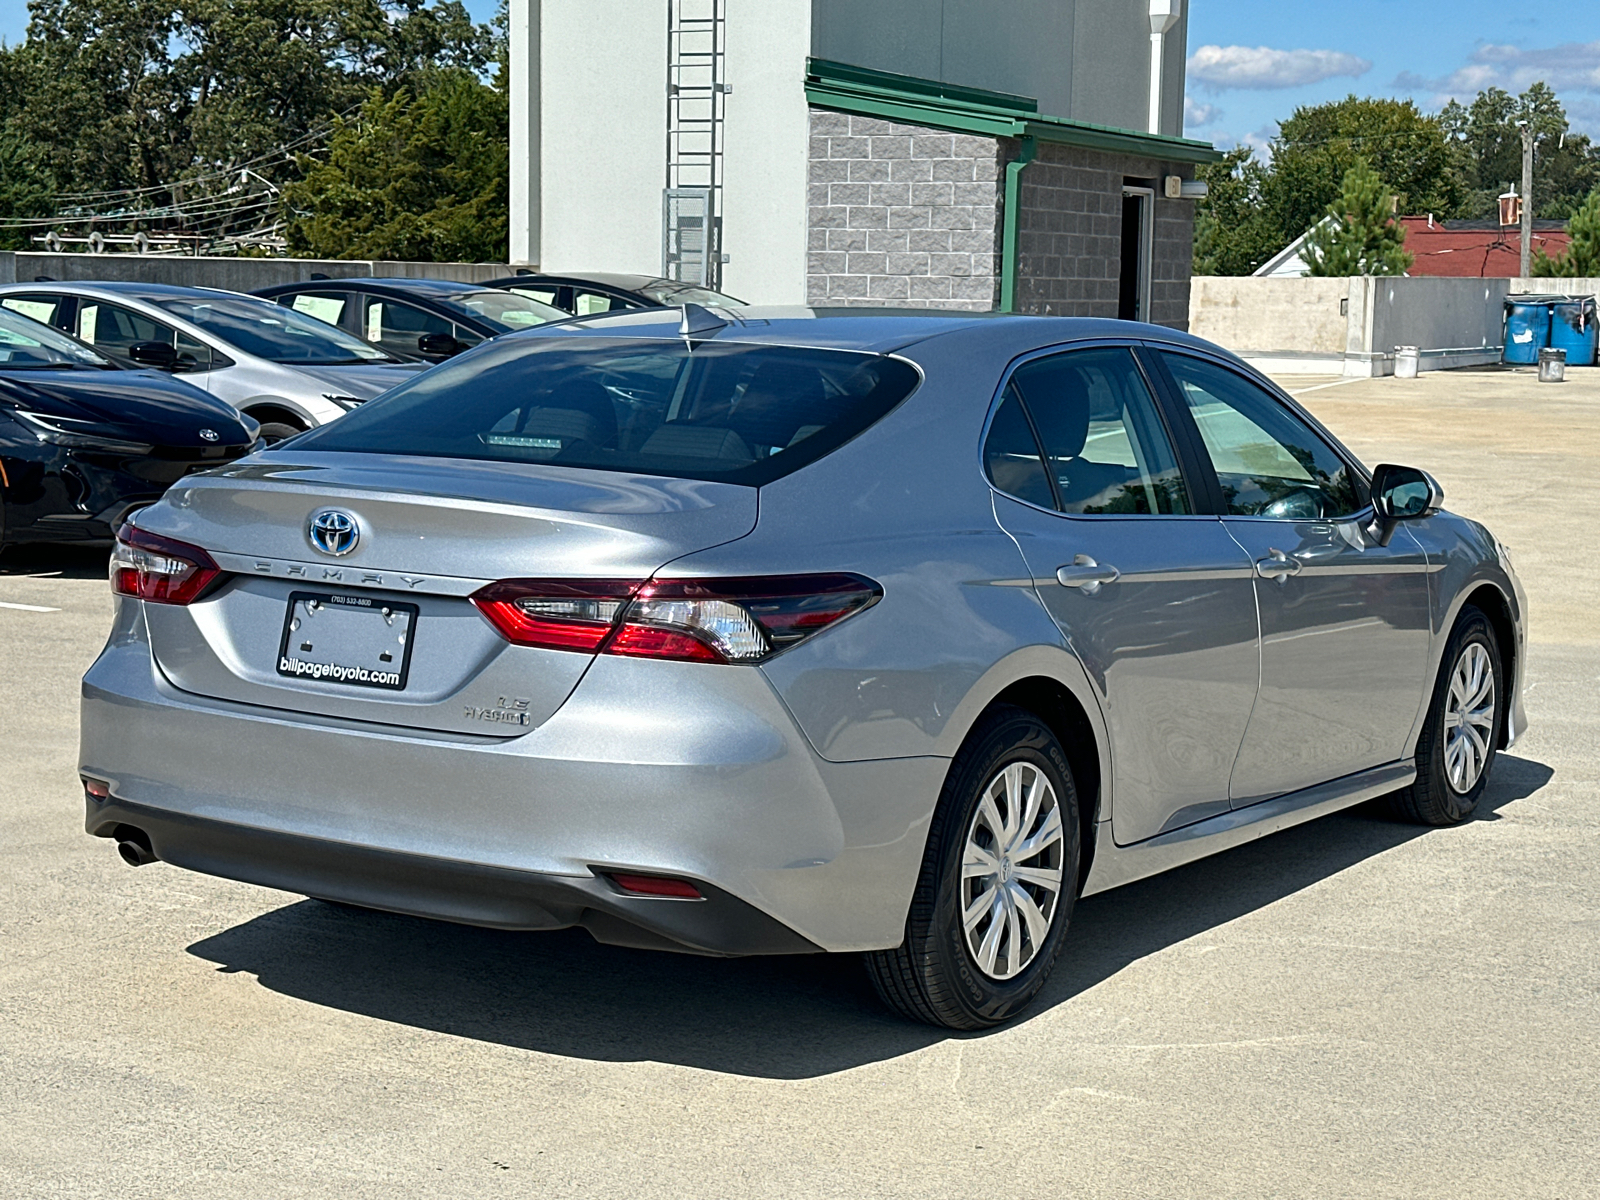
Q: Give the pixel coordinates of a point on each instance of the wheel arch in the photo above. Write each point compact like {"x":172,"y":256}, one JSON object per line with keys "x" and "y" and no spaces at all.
{"x":1491,"y":601}
{"x":1489,"y":596}
{"x":1049,"y":682}
{"x":277,"y":408}
{"x":1054,"y":704}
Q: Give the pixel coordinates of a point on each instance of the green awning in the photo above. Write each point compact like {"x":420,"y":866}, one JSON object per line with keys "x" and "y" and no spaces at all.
{"x":913,"y":101}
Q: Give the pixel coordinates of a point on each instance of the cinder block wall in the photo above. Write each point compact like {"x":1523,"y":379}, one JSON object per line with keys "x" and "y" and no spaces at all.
{"x":901,"y":215}
{"x":1069,"y":238}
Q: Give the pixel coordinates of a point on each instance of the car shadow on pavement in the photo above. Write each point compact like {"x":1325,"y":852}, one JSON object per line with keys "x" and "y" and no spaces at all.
{"x":61,"y":562}
{"x":781,"y":1018}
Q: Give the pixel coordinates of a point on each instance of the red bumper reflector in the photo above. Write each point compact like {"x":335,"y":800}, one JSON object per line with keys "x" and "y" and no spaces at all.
{"x":656,"y":885}
{"x":96,"y":788}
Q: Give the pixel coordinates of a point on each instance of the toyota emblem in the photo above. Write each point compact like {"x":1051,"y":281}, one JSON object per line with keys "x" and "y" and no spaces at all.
{"x":333,"y":531}
{"x":209,"y":435}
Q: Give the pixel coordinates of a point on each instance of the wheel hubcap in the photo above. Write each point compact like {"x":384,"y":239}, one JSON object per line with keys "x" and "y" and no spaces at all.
{"x":1469,"y":718}
{"x":1011,"y":870}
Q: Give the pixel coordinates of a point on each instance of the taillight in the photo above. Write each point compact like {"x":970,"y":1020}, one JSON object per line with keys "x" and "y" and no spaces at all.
{"x":555,"y":614}
{"x":158,"y":569}
{"x":735,"y":620}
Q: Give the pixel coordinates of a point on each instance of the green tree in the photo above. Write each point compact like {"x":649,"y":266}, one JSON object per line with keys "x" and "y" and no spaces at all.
{"x":1231,"y":233}
{"x":1361,"y":236}
{"x":188,"y":114}
{"x":1317,"y":147}
{"x":26,"y":189}
{"x":1486,"y":144}
{"x":419,"y":176}
{"x":1582,"y":257}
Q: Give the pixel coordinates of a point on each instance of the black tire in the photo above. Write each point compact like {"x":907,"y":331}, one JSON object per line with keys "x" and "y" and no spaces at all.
{"x":1434,"y":799}
{"x":276,"y":431}
{"x":933,"y":975}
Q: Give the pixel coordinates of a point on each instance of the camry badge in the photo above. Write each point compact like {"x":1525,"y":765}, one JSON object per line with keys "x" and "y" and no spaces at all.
{"x":209,"y":435}
{"x":333,"y":531}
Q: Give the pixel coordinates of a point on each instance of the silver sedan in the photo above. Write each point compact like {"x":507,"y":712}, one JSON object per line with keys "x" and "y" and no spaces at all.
{"x":779,"y":631}
{"x":287,"y":370}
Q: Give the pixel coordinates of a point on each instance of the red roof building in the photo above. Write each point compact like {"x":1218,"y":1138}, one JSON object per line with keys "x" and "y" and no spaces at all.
{"x":1475,"y":249}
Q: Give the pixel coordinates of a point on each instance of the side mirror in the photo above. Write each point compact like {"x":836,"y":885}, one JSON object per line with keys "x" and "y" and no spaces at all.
{"x":1402,"y":494}
{"x":439,"y":345}
{"x":154,"y":354}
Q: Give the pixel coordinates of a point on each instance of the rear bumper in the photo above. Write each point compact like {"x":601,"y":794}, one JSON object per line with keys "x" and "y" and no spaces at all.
{"x":463,"y":892}
{"x":663,"y":768}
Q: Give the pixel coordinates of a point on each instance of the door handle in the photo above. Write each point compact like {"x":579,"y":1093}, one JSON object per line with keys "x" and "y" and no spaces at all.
{"x":1086,"y":575}
{"x":1277,"y":565}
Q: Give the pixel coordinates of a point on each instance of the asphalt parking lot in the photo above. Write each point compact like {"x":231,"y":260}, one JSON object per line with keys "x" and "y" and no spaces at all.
{"x":1351,"y":1008}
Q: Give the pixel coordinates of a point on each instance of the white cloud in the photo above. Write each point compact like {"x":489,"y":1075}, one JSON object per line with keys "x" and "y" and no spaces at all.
{"x":1196,"y":115}
{"x":1262,"y":67}
{"x":1572,"y":69}
{"x":1573,"y":66}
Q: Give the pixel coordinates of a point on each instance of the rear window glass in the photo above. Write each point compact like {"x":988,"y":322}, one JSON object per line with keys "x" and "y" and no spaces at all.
{"x":734,"y":412}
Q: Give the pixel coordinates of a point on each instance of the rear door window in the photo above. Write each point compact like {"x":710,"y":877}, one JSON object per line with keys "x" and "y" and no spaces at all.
{"x":586,"y":303}
{"x":324,"y":306}
{"x":1104,"y":442}
{"x":735,"y":412}
{"x":112,"y":330}
{"x":399,"y":328}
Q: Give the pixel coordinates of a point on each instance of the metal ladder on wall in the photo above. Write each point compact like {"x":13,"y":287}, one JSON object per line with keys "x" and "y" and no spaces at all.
{"x":691,"y":217}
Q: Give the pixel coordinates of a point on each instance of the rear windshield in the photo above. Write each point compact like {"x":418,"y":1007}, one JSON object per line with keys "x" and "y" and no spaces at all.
{"x":505,"y":310}
{"x":671,"y":293}
{"x":273,"y":332}
{"x":734,"y":412}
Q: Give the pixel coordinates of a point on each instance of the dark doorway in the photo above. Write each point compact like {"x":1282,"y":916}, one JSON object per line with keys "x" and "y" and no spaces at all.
{"x":1133,"y":288}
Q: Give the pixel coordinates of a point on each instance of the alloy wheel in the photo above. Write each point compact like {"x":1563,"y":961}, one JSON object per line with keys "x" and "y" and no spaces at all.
{"x":1011,"y":870}
{"x":1469,"y":713}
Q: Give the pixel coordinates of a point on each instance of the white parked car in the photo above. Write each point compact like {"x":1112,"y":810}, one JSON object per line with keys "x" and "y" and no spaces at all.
{"x":287,"y":370}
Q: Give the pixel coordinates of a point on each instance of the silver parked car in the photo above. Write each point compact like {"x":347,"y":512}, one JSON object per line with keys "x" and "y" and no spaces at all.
{"x":287,"y":370}
{"x":783,"y":631}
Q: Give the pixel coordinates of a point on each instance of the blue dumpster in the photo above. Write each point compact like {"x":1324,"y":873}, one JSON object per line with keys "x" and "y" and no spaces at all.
{"x":1527,"y":323}
{"x":1572,"y":328}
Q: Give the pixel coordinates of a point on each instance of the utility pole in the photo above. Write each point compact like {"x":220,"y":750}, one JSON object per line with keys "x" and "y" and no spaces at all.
{"x":1527,"y":197}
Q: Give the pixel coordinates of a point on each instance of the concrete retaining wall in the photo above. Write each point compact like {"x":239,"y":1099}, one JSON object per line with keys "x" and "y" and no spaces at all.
{"x":1353,"y":326}
{"x":234,"y":274}
{"x":1273,"y":318}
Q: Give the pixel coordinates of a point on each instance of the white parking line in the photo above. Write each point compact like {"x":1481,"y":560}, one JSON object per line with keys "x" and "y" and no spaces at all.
{"x":27,"y":607}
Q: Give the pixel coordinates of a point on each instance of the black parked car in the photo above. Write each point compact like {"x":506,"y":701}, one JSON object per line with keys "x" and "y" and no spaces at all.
{"x":428,"y":319}
{"x":589,"y":293}
{"x":84,"y":442}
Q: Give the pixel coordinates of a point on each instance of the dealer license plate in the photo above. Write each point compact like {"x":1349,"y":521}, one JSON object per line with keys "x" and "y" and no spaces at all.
{"x":349,"y":639}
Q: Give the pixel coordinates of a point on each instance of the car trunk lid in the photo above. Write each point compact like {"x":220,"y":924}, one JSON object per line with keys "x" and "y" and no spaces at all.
{"x":428,"y":533}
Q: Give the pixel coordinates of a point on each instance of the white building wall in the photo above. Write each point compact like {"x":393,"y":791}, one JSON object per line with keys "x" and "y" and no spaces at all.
{"x":766,"y":134}
{"x":522,"y":30}
{"x":603,"y":134}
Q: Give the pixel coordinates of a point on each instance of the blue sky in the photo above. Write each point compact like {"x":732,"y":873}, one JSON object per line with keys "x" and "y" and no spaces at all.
{"x":1252,"y":62}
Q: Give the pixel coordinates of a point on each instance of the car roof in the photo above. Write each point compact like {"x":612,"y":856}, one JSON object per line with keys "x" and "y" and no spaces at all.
{"x":131,"y":290}
{"x":382,"y":283}
{"x":872,"y":330}
{"x":622,"y":282}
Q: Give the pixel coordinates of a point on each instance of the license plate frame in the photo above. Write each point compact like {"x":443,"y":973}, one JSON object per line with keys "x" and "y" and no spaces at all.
{"x":333,"y":667}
